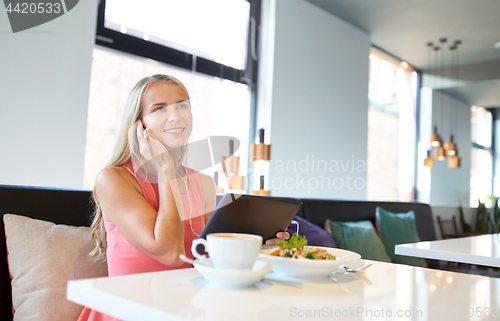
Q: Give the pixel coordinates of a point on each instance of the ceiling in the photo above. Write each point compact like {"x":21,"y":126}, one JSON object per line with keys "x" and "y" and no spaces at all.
{"x":403,"y":27}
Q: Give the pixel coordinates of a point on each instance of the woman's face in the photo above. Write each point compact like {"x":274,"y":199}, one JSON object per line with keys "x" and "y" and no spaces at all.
{"x":167,"y":113}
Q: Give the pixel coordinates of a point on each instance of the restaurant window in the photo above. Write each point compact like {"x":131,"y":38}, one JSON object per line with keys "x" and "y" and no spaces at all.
{"x":481,"y":172}
{"x":209,"y":46}
{"x":391,"y":129}
{"x":217,"y":37}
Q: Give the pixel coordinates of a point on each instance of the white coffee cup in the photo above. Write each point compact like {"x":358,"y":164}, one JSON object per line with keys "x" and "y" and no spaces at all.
{"x":230,"y":250}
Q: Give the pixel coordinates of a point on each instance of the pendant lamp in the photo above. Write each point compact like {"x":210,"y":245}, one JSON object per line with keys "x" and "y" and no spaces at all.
{"x":454,"y":161}
{"x":440,"y":153}
{"x":435,"y":138}
{"x":260,"y":151}
{"x":450,"y":147}
{"x":429,"y":161}
{"x":261,"y":191}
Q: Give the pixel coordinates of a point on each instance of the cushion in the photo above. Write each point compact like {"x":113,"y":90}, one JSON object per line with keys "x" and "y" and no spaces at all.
{"x":359,"y":237}
{"x":314,"y":234}
{"x":42,"y":258}
{"x":398,"y":228}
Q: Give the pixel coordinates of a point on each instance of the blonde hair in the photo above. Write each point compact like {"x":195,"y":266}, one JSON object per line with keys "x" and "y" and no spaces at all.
{"x":126,"y":149}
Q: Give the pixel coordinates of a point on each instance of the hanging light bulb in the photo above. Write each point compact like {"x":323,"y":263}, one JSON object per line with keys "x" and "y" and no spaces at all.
{"x":440,"y":153}
{"x":454,"y":161}
{"x":435,"y":138}
{"x":434,"y":135}
{"x":450,"y":147}
{"x":429,"y":161}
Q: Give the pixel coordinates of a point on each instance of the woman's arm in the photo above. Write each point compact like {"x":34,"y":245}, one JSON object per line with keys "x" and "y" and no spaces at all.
{"x":159,"y":235}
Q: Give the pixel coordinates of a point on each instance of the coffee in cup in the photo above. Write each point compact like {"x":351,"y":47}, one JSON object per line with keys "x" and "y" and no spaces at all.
{"x":230,"y":250}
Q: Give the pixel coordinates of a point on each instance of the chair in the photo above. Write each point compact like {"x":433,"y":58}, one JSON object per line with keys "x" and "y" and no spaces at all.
{"x":448,"y":229}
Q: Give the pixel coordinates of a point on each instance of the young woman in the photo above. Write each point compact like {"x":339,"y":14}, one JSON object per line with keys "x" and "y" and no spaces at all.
{"x":149,"y":207}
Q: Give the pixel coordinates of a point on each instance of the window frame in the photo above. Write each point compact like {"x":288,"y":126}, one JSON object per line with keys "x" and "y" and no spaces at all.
{"x":147,"y":49}
{"x":418,"y":110}
{"x":381,"y":53}
{"x":491,"y":149}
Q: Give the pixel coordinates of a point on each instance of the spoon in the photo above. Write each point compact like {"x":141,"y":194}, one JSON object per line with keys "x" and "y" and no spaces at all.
{"x":348,"y":269}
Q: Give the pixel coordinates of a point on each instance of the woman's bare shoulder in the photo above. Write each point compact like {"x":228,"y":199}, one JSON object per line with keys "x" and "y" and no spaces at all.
{"x":207,"y":186}
{"x":202,"y":175}
{"x":205,"y":180}
{"x":116,"y":175}
{"x":209,"y":195}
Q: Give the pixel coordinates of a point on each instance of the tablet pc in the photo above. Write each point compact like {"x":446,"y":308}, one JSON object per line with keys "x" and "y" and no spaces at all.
{"x":252,"y":215}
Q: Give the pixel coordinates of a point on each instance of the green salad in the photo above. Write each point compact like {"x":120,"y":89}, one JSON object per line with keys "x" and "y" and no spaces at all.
{"x":296,"y":247}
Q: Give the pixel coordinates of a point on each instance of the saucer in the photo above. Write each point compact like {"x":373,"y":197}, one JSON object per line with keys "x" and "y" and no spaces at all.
{"x":233,"y":277}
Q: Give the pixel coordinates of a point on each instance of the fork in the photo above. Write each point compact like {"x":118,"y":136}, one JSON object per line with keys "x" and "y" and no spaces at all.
{"x":348,"y":269}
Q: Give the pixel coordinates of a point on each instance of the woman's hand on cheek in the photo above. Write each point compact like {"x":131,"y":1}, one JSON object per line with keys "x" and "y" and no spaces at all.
{"x":150,"y":147}
{"x":280,"y":236}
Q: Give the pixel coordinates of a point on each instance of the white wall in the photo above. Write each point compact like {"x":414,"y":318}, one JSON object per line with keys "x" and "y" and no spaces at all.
{"x":319,"y":104}
{"x":442,"y":185}
{"x":44,"y":81}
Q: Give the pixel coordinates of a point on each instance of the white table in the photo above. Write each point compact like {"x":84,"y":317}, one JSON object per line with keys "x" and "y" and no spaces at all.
{"x":421,"y":294}
{"x":481,"y":250}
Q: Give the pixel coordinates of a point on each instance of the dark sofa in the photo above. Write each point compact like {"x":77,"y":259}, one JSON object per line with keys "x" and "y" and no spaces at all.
{"x":74,"y":207}
{"x":317,"y":211}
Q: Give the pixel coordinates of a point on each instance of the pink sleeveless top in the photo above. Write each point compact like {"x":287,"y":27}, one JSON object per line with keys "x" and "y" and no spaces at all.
{"x":123,"y":258}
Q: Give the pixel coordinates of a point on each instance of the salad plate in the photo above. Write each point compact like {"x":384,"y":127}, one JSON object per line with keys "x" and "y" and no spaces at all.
{"x":307,"y":267}
{"x":232,"y":277}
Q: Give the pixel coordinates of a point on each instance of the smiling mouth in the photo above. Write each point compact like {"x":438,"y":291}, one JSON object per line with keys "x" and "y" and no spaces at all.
{"x":175,"y":130}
